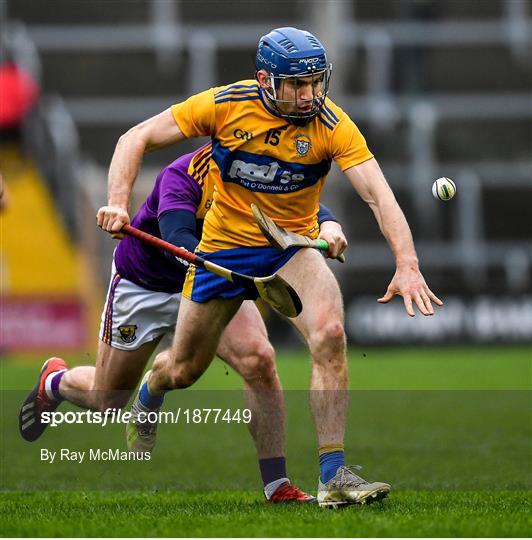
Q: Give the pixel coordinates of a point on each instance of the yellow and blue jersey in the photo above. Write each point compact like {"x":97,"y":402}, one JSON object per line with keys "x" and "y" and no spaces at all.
{"x":259,"y":157}
{"x":198,"y":169}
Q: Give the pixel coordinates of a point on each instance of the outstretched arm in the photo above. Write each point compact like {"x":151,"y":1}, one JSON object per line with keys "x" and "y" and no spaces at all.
{"x":408,"y":282}
{"x":152,"y":134}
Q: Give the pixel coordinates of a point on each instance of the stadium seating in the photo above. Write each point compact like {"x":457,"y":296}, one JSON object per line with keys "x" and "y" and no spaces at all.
{"x":439,"y":89}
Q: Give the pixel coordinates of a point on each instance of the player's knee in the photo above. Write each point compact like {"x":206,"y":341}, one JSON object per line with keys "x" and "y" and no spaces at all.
{"x":184,"y":375}
{"x":328,"y":338}
{"x":111,"y":400}
{"x":258,"y":366}
{"x":172,"y":372}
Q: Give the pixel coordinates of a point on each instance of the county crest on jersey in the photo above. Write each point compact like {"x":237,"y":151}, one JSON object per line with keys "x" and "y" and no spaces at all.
{"x":258,"y":157}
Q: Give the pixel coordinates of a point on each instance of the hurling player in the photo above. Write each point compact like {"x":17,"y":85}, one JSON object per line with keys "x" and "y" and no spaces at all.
{"x":273,"y":141}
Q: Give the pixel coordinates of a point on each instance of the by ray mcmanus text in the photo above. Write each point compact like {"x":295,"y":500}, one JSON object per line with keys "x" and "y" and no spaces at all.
{"x":92,"y":454}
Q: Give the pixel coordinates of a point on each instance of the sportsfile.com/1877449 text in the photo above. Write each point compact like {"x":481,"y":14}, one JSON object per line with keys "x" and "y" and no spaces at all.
{"x":180,"y":415}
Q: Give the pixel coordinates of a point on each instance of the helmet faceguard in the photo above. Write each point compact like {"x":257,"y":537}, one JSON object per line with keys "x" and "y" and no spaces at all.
{"x":294,"y":60}
{"x":277,"y":91}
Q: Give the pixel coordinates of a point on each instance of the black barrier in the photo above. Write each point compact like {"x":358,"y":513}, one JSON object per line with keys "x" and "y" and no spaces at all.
{"x":482,"y":319}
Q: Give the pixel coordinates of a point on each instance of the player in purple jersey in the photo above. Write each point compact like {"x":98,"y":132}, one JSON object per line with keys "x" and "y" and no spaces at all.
{"x":140,"y":313}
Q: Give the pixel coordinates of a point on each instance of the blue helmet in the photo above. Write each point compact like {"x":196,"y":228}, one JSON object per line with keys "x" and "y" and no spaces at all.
{"x":287,"y":53}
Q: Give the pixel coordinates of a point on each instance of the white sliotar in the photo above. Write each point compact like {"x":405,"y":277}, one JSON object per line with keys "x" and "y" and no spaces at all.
{"x":443,"y":189}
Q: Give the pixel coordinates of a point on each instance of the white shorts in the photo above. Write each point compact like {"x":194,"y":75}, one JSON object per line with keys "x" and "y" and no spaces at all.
{"x":133,"y":316}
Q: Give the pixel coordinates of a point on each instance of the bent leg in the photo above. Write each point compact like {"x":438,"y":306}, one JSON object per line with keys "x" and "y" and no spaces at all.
{"x":134,"y":320}
{"x":322,"y":325}
{"x":198,"y":331}
{"x":111,"y":382}
{"x":244,"y":345}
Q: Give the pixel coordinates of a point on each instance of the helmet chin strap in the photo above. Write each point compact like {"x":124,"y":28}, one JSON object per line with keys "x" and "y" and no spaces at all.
{"x":300,"y":122}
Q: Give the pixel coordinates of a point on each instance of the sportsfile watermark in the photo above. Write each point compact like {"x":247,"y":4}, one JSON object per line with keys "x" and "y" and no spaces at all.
{"x":118,"y":416}
{"x":207,"y":440}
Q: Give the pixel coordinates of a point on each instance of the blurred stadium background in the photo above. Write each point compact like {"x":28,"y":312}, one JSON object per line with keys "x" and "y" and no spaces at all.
{"x":439,"y":88}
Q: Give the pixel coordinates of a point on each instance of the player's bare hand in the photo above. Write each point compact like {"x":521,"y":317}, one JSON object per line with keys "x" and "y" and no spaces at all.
{"x":409,"y":283}
{"x":333,"y":233}
{"x":112,"y":219}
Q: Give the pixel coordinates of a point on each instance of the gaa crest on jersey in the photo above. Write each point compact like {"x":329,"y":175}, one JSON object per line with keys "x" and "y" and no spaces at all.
{"x":303,"y":145}
{"x":128,"y":332}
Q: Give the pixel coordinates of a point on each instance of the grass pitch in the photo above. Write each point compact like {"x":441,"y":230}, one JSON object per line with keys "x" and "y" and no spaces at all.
{"x":448,"y":427}
{"x":227,"y":514}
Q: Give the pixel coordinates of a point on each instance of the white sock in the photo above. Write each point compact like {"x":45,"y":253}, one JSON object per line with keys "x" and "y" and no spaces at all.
{"x":48,"y":384}
{"x":271,"y":488}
